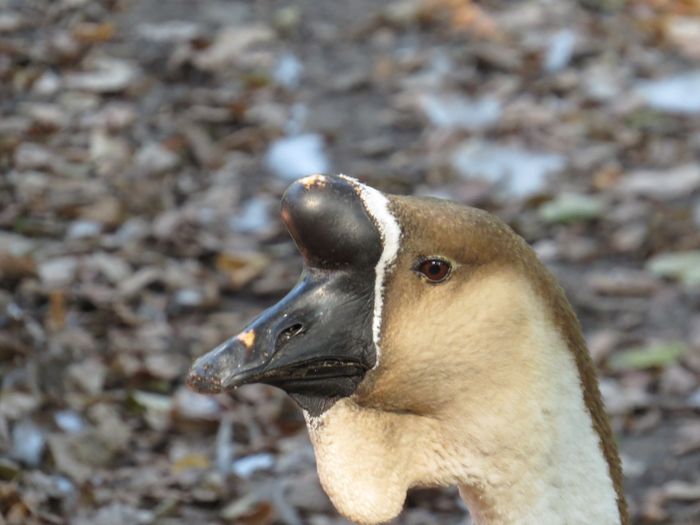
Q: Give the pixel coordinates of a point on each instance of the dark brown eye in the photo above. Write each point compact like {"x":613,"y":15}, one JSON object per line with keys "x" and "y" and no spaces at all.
{"x":435,"y":270}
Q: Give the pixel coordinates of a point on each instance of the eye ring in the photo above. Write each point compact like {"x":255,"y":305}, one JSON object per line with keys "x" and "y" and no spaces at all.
{"x":434,"y":269}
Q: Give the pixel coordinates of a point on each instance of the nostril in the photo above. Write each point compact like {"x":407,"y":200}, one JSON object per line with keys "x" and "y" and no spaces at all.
{"x":289,"y":332}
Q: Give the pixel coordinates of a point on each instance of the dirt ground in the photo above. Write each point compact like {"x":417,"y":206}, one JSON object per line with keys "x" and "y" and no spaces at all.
{"x":144,"y":147}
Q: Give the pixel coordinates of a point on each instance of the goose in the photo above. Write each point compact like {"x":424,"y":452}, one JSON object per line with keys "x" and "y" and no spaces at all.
{"x":428,"y":346}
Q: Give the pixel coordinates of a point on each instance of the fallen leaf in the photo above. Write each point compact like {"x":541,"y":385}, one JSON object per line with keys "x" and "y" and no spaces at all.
{"x":671,"y":183}
{"x":56,"y":318}
{"x":682,"y":490}
{"x":239,"y":268}
{"x":231,"y":46}
{"x":653,"y":356}
{"x":192,"y":461}
{"x":682,"y":266}
{"x":108,"y":75}
{"x":14,"y":268}
{"x":249,"y":510}
{"x":571,"y":207}
{"x":90,"y":33}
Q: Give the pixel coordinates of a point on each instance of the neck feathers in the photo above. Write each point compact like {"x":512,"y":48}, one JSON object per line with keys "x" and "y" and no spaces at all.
{"x":551,"y":468}
{"x":567,"y":325}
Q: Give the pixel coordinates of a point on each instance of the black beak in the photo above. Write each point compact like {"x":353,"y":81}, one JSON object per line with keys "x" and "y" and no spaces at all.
{"x":316,"y":343}
{"x":304,"y":344}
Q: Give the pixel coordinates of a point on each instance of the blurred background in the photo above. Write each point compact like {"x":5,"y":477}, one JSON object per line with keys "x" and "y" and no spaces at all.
{"x":144,"y":146}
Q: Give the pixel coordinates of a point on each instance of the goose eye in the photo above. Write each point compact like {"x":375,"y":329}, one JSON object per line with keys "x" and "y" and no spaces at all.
{"x":435,"y":270}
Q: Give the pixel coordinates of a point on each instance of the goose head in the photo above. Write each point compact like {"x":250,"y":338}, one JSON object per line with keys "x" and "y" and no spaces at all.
{"x":428,"y":346}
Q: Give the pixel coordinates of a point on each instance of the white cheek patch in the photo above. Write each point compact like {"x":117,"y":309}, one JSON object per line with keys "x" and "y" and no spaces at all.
{"x":377,"y":206}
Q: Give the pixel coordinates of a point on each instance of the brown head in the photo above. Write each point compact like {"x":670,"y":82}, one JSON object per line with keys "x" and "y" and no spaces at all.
{"x":428,"y":346}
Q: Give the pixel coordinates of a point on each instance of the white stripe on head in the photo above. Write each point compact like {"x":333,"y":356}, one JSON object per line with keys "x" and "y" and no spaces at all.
{"x":377,"y":206}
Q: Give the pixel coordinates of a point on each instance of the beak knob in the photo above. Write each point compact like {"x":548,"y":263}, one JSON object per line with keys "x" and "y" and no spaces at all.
{"x":329,"y":224}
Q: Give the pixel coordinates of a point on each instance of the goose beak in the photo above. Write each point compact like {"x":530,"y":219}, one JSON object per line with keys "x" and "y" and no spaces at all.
{"x":316,"y":343}
{"x":303,"y":344}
